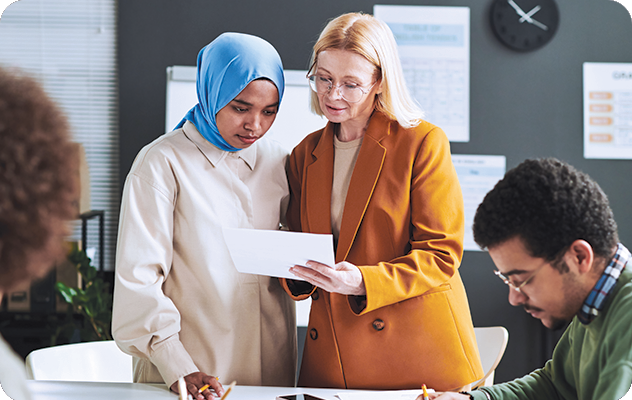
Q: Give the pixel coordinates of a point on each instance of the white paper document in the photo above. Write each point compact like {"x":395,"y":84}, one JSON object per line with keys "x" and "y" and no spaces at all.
{"x":273,"y":253}
{"x":382,"y":394}
{"x":477,"y":175}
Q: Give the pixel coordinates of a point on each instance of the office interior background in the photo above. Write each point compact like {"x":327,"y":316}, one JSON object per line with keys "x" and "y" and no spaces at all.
{"x":522,"y":104}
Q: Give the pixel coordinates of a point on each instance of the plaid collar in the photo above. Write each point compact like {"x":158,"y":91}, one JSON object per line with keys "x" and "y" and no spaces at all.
{"x":597,"y":297}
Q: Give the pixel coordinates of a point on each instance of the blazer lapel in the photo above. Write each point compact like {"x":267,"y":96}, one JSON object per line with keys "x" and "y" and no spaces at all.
{"x":319,"y":178}
{"x":363,"y":180}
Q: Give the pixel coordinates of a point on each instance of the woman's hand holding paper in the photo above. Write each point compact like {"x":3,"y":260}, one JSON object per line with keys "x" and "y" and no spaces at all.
{"x":344,"y":278}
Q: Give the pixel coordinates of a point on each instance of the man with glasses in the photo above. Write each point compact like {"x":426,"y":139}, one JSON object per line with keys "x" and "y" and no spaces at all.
{"x":551,"y":233}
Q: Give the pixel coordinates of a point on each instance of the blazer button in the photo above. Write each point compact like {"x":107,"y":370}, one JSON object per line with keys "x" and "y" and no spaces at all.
{"x":378,"y":324}
{"x":315,"y":295}
{"x":313,"y":333}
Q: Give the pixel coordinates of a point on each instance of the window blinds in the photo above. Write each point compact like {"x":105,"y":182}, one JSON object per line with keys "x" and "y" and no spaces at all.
{"x":70,"y":46}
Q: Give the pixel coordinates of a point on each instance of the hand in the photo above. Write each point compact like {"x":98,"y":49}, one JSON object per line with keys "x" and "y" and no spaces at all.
{"x":198,"y":379}
{"x":444,"y":396}
{"x":344,"y":278}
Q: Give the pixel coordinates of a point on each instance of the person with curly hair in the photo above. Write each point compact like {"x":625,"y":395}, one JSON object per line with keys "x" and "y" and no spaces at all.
{"x":552,"y":235}
{"x":37,"y":195}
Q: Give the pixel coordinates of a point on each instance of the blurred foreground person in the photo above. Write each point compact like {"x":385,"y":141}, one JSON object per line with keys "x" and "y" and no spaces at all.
{"x":38,"y":193}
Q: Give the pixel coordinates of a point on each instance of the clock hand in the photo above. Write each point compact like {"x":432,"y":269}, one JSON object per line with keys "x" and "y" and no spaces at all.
{"x":538,"y":24}
{"x":526,"y":16}
{"x":518,"y":10}
{"x":530,"y":13}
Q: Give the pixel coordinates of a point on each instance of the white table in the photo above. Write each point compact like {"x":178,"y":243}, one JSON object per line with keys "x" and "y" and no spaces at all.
{"x":61,"y":390}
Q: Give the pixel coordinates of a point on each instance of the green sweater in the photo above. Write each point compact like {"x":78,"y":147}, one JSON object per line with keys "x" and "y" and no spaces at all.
{"x":589,"y":362}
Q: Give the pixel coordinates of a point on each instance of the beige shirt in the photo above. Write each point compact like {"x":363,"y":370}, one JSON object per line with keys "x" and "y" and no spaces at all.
{"x":179,"y":303}
{"x":345,"y":156}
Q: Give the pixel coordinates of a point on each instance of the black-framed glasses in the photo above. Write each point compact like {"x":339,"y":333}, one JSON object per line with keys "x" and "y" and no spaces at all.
{"x":518,"y":288}
{"x":349,"y":92}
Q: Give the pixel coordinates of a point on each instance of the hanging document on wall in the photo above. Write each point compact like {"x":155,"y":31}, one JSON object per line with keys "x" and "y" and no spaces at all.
{"x":434,"y":49}
{"x":477,"y":176}
{"x":608,"y":110}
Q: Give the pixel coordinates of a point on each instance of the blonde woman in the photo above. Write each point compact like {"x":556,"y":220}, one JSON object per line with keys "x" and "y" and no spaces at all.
{"x":393,"y":312}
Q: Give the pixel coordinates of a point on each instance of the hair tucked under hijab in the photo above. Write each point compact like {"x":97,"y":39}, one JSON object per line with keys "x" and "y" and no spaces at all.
{"x":224,"y":68}
{"x":37,"y":186}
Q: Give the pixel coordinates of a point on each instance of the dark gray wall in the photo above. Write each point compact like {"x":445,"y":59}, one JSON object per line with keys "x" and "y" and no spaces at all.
{"x":522,"y":104}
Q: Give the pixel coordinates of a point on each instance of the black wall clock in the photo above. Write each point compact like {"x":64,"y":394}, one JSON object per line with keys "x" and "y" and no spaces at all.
{"x":524,"y":25}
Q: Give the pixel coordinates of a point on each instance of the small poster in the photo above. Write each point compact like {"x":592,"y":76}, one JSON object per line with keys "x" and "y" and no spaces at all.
{"x":608,"y":110}
{"x":434,"y":49}
{"x":477,"y":176}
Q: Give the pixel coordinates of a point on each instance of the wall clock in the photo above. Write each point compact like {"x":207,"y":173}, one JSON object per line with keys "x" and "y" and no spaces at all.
{"x":524,"y":25}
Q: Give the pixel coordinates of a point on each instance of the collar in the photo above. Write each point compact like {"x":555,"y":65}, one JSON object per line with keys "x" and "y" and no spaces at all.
{"x":215,"y":155}
{"x":379,"y":127}
{"x":596,"y":300}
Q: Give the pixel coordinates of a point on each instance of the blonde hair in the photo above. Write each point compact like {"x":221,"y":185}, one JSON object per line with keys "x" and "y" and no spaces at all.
{"x":372,"y":39}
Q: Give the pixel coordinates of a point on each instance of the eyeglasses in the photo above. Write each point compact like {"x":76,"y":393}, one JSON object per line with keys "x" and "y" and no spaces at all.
{"x":349,"y":92}
{"x":518,"y":288}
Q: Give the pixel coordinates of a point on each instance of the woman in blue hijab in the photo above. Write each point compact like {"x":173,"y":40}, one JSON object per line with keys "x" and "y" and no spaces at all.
{"x":225,"y":68}
{"x":180,"y":306}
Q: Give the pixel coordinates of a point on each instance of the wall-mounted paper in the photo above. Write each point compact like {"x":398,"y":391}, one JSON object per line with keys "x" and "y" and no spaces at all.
{"x":434,"y":48}
{"x":477,"y":176}
{"x":273,"y":253}
{"x":608,"y":110}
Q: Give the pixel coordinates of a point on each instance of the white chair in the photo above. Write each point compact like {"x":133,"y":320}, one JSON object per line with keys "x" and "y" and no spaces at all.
{"x":87,"y":362}
{"x":492,"y":342}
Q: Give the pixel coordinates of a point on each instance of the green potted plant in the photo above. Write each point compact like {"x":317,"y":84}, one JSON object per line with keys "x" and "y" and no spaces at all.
{"x":92,"y":300}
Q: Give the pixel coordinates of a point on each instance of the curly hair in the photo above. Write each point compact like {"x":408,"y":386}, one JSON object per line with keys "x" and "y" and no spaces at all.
{"x":548,"y":204}
{"x":37,"y":185}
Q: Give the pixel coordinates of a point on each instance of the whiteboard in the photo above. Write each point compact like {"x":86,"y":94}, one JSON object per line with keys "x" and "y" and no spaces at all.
{"x":293,"y":122}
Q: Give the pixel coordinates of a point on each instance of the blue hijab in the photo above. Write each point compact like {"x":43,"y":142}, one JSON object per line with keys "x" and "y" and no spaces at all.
{"x":224,"y":68}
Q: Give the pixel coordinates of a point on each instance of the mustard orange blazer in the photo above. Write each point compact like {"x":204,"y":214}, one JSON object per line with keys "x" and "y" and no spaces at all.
{"x":402,"y":225}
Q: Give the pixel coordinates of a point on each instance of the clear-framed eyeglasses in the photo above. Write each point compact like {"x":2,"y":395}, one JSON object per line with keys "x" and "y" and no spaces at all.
{"x":514,"y":286}
{"x":349,"y":92}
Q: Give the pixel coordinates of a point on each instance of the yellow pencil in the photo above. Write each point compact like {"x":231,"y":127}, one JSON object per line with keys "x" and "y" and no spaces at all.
{"x":423,"y":387}
{"x":203,"y":388}
{"x":232,"y":385}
